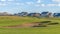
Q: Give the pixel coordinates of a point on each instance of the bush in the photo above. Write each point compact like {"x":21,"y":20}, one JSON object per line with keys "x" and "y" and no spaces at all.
{"x":40,"y":26}
{"x":45,"y":22}
{"x":53,"y":23}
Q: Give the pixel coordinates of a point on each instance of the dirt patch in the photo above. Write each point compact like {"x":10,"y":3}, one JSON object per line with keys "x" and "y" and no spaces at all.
{"x":21,"y":26}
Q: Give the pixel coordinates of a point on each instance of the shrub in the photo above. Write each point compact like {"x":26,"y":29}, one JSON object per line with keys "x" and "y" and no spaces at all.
{"x":40,"y":26}
{"x":45,"y":22}
{"x":53,"y":23}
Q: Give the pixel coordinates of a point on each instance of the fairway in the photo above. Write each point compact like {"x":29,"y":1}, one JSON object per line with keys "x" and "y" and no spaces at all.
{"x":17,"y":20}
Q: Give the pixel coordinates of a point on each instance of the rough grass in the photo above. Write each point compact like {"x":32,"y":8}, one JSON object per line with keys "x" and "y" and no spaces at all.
{"x":14,"y":20}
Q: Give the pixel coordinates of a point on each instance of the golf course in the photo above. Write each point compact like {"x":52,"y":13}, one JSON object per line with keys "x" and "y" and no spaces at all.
{"x":6,"y":23}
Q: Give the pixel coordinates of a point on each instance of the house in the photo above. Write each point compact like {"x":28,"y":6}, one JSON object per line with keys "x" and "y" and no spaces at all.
{"x":15,"y":14}
{"x":21,"y":14}
{"x":56,"y":14}
{"x":34,"y":14}
{"x":5,"y":14}
{"x":31,"y":14}
{"x":46,"y":14}
{"x":50,"y":14}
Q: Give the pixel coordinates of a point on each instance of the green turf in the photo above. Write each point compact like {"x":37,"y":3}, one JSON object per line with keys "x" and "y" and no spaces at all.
{"x":14,"y":20}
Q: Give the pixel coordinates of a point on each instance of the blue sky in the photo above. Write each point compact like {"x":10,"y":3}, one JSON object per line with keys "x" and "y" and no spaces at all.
{"x":15,"y":6}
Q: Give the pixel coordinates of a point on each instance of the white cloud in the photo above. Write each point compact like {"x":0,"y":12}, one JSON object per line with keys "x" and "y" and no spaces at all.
{"x":58,"y":4}
{"x":10,"y":0}
{"x":38,"y":1}
{"x":17,"y":3}
{"x":37,"y":5}
{"x":43,"y":5}
{"x":20,"y":4}
{"x":7,"y":0}
{"x":29,"y":3}
{"x":2,"y":0}
{"x":56,"y":1}
{"x":51,"y":4}
{"x":3,"y":4}
{"x":47,"y":5}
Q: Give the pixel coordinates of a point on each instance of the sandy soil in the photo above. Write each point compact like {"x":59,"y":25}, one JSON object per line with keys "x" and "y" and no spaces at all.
{"x":21,"y":26}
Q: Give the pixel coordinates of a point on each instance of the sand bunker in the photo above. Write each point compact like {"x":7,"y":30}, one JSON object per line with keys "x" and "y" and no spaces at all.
{"x":21,"y":26}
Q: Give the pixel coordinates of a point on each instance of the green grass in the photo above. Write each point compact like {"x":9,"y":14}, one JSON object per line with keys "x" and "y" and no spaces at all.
{"x":14,"y":20}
